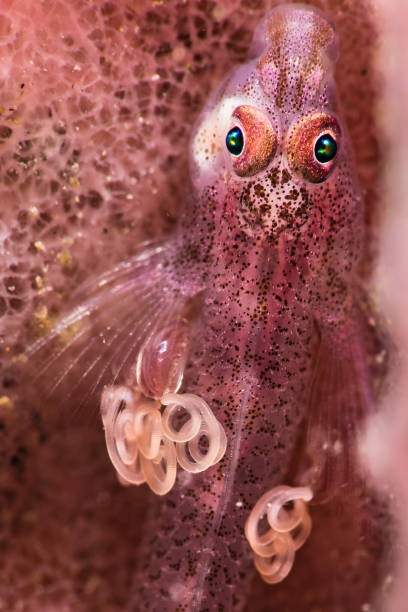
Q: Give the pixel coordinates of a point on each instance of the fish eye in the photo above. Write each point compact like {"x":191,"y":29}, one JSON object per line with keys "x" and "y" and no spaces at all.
{"x":252,"y":140}
{"x":235,"y":141}
{"x":313,"y":145}
{"x":325,"y":148}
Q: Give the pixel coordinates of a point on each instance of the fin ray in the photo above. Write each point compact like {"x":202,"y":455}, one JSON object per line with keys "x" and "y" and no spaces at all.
{"x":96,"y":343}
{"x":340,"y":400}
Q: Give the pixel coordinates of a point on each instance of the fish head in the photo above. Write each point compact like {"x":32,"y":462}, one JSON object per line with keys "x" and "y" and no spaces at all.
{"x":270,"y":149}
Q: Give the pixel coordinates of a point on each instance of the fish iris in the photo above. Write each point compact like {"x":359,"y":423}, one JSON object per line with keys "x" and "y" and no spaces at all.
{"x":325,"y":149}
{"x":235,"y":141}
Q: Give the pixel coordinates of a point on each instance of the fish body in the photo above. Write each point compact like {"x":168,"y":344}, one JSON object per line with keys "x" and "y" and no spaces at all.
{"x":262,"y":272}
{"x":272,"y":238}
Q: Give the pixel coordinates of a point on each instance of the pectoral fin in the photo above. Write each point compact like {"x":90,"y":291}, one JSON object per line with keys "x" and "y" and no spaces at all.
{"x":111,"y":317}
{"x":340,"y":400}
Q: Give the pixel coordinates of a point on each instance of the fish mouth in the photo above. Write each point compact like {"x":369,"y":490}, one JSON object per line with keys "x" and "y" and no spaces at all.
{"x":272,"y":205}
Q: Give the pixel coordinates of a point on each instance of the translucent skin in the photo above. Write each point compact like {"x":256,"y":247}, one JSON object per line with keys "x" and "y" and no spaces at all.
{"x":271,"y":258}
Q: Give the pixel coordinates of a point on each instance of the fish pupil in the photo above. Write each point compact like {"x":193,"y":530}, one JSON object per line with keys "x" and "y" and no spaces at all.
{"x":325,"y":148}
{"x":235,"y":141}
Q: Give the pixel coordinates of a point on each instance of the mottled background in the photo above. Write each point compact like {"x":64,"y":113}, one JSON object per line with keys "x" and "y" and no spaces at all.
{"x":97,"y":101}
{"x":386,"y":445}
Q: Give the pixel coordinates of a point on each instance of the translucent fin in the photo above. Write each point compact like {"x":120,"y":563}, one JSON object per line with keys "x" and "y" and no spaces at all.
{"x":340,"y":400}
{"x":97,"y":342}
